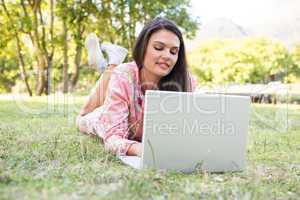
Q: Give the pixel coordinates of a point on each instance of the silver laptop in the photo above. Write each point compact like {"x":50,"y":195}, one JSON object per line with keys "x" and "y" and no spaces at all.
{"x":193,"y":131}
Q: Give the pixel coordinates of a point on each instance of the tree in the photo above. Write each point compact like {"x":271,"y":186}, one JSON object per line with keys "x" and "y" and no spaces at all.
{"x":12,"y":26}
{"x":124,"y":17}
{"x":62,"y":8}
{"x":250,"y":60}
{"x":35,"y":27}
{"x":56,"y":30}
{"x":294,"y":72}
{"x":78,"y":13}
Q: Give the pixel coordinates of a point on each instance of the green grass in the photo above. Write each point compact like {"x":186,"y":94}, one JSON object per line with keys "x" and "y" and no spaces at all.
{"x":43,"y":156}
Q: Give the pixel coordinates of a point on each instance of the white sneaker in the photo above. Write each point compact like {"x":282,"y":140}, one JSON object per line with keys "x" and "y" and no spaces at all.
{"x":116,"y":54}
{"x":95,"y":56}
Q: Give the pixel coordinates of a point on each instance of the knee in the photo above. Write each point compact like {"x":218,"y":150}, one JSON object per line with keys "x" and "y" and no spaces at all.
{"x":80,"y":123}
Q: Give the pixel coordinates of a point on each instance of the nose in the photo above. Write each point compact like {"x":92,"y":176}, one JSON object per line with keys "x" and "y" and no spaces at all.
{"x":166,"y":54}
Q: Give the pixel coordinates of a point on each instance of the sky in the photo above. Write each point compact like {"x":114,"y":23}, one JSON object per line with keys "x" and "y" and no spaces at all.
{"x":247,"y":12}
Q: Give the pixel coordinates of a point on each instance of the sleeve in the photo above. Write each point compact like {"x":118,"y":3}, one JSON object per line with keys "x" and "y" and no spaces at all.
{"x":115,"y":116}
{"x":193,"y":82}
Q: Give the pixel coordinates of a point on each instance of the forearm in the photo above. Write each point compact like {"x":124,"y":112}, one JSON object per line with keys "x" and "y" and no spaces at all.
{"x":116,"y":143}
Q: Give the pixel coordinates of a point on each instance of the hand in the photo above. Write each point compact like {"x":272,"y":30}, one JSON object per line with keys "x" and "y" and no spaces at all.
{"x":135,"y":150}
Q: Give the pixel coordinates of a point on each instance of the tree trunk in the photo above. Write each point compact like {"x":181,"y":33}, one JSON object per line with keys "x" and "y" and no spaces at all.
{"x":132,"y":15}
{"x":77,"y":62}
{"x":51,"y":54}
{"x":123,"y":30}
{"x":48,"y":77}
{"x":40,"y":56}
{"x":65,"y":53}
{"x":41,"y":74}
{"x":22,"y":66}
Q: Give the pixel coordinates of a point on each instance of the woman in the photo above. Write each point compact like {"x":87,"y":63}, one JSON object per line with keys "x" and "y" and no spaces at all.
{"x":114,"y":111}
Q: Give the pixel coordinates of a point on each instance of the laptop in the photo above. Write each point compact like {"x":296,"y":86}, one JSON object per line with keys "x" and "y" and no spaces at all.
{"x":186,"y":131}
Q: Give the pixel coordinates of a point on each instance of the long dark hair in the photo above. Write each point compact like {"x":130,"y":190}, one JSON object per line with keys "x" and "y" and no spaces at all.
{"x":177,"y":79}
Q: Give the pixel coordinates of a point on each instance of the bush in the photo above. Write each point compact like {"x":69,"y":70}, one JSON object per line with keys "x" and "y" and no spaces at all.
{"x":250,"y":60}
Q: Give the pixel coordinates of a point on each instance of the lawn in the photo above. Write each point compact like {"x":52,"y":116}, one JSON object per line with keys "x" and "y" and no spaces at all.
{"x":43,"y":156}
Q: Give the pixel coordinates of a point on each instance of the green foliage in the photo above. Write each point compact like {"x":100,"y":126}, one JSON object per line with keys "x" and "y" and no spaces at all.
{"x":8,"y":73}
{"x":294,"y":74}
{"x":114,"y":21}
{"x":9,"y":70}
{"x":250,"y":60}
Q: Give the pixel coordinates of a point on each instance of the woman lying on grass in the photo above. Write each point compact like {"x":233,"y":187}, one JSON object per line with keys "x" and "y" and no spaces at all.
{"x":114,"y":110}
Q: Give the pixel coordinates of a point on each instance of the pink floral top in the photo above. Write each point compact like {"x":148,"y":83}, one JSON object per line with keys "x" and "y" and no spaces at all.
{"x":123,"y":109}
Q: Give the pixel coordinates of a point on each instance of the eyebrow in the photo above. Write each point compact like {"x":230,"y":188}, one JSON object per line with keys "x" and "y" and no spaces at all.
{"x":165,"y":44}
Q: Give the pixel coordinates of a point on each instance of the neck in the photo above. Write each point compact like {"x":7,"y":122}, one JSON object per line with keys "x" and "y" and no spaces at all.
{"x":148,"y":80}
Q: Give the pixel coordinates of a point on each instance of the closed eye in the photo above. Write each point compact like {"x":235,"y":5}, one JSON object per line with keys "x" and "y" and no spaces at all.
{"x":158,"y":48}
{"x":174,"y":52}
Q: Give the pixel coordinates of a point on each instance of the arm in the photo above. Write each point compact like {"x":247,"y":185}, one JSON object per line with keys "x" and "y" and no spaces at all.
{"x":115,"y":117}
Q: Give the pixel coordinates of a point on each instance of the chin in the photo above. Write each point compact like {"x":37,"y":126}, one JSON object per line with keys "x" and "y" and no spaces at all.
{"x":162,"y":73}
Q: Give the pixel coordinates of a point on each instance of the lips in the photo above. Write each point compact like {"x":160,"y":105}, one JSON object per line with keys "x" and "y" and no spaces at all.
{"x":163,"y":65}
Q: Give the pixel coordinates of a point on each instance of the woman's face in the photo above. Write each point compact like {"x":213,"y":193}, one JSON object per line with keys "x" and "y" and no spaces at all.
{"x":161,"y":53}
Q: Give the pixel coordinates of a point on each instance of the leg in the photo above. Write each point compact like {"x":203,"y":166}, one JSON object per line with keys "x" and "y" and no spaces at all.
{"x":116,"y":56}
{"x":95,"y":56}
{"x":97,"y":96}
{"x":88,"y":123}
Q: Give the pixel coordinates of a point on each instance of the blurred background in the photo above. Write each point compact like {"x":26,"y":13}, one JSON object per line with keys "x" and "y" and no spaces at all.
{"x":235,"y":47}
